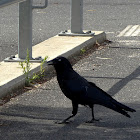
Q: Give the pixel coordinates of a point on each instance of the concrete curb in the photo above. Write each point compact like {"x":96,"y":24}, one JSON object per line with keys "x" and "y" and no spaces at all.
{"x":11,"y":75}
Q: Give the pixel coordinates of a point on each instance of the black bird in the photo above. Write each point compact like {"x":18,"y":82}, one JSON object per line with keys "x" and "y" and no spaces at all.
{"x":80,"y":91}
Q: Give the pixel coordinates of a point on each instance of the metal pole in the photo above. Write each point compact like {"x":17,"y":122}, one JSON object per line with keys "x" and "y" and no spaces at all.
{"x":76,"y":21}
{"x":77,"y":16}
{"x":25,"y":29}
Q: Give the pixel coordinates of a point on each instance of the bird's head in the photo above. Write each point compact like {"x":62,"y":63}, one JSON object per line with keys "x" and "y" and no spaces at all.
{"x":60,"y":63}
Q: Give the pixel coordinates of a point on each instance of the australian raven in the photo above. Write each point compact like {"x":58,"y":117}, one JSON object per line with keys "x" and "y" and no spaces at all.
{"x":80,"y":91}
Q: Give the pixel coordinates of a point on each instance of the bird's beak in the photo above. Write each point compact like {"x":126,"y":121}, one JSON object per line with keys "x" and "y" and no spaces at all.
{"x":50,"y":62}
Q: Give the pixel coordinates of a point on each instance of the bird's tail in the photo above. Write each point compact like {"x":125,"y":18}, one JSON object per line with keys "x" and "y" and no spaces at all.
{"x":123,"y":109}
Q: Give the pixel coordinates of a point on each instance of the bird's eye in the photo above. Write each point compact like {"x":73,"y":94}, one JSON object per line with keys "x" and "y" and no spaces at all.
{"x":59,"y":60}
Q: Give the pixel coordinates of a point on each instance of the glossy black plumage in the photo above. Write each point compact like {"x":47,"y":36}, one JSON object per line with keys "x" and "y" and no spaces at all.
{"x":80,"y":91}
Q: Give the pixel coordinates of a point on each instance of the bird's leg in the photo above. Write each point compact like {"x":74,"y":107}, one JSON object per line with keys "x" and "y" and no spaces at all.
{"x":93,"y":118}
{"x":74,"y":112}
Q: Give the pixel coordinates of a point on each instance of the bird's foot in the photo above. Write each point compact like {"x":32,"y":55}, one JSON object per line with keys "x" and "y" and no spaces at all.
{"x":93,"y":121}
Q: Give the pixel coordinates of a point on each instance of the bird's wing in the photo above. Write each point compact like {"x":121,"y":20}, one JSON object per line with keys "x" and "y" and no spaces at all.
{"x":97,"y":95}
{"x":99,"y":89}
{"x":73,"y":86}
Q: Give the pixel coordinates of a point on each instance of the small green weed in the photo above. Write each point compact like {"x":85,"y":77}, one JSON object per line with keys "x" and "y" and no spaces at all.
{"x":83,"y":50}
{"x":26,"y":66}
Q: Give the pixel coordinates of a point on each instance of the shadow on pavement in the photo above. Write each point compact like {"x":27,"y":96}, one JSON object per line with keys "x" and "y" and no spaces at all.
{"x":122,"y":81}
{"x":120,"y":84}
{"x":38,"y":123}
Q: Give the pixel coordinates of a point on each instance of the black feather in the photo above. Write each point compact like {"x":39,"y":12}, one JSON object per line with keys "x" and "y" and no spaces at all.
{"x":80,"y":91}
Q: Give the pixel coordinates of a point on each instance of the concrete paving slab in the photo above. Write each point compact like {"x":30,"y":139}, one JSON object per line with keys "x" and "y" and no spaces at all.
{"x":11,"y":74}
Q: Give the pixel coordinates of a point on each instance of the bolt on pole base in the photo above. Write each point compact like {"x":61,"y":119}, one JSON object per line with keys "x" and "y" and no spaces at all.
{"x":16,"y":59}
{"x":68,"y":33}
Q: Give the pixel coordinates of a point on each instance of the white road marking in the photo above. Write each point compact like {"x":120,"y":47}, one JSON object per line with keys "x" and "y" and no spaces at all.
{"x":137,"y":32}
{"x":125,"y":30}
{"x":131,"y":30}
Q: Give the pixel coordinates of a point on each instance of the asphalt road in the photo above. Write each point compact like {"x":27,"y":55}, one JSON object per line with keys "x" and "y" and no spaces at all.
{"x":109,"y":16}
{"x":31,"y":116}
